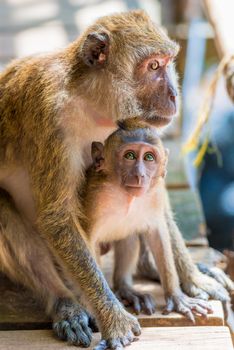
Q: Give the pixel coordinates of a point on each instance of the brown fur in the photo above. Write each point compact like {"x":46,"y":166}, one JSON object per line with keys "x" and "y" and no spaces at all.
{"x":114,"y":215}
{"x":51,"y":107}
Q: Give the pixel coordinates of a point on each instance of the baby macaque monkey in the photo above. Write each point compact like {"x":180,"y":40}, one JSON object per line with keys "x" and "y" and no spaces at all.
{"x":124,"y":195}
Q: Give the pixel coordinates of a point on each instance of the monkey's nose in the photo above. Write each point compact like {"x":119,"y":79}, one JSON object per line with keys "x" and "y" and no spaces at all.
{"x":173,"y":98}
{"x":172,"y":94}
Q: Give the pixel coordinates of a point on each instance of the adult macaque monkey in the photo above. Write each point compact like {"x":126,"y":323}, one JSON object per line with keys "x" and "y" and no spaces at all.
{"x":125,"y":195}
{"x":51,"y":108}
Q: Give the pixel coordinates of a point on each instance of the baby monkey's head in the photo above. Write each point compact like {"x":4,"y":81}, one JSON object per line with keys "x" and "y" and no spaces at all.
{"x":133,"y":157}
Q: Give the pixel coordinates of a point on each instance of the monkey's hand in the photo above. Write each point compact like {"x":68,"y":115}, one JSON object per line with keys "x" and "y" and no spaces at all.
{"x":72,"y":323}
{"x":139,"y":301}
{"x":204,"y":287}
{"x":187,"y":306}
{"x":218,"y":274}
{"x":118,"y":329}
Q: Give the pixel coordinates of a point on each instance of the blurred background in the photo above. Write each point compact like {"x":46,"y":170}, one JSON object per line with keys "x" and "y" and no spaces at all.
{"x":202,"y":197}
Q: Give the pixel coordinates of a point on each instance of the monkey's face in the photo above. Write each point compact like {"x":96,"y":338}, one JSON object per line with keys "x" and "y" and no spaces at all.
{"x":132,"y":60}
{"x":157,"y":89}
{"x":138,"y":165}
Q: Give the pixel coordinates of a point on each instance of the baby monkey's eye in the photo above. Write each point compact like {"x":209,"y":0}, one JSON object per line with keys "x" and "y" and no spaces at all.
{"x":149,"y":157}
{"x":154,"y":65}
{"x":130,"y":155}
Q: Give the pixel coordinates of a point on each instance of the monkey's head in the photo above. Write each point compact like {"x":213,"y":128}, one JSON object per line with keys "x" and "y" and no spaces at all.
{"x":134,"y":159}
{"x":129,"y":64}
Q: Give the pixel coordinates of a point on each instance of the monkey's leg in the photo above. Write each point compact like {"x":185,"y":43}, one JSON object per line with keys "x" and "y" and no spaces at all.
{"x":25,"y":258}
{"x":146,"y":266}
{"x":193,"y":282}
{"x":176,"y":300}
{"x":125,"y":265}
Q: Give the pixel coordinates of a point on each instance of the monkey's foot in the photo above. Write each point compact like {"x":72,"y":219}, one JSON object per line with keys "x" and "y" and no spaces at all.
{"x":119,"y":329}
{"x":204,"y":287}
{"x":139,"y":301}
{"x":218,"y":274}
{"x":187,"y":306}
{"x":72,"y":323}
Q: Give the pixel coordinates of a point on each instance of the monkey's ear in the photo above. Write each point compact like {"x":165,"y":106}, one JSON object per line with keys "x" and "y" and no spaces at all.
{"x":95,"y":49}
{"x":97,"y":149}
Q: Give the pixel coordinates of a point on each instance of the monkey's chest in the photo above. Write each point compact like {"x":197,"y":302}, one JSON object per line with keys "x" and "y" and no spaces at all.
{"x":116,"y":222}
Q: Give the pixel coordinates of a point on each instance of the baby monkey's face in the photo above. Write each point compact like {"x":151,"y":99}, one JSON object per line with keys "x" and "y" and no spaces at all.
{"x":139,"y":165}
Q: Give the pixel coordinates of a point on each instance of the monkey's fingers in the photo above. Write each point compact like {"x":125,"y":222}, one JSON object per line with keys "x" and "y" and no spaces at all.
{"x":206,"y":284}
{"x":212,"y":287}
{"x":140,"y":302}
{"x":73,"y":332}
{"x":74,"y":329}
{"x":194,"y":292}
{"x":205,"y":305}
{"x":148,"y":304}
{"x":187,"y":306}
{"x":117,"y":344}
{"x":102,"y":345}
{"x":169,"y":307}
{"x":179,"y":305}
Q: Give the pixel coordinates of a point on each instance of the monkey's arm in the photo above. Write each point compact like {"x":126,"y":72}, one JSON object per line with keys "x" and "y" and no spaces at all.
{"x":160,"y":243}
{"x":193,"y":282}
{"x":125,"y":264}
{"x":68,"y":244}
{"x":58,"y":224}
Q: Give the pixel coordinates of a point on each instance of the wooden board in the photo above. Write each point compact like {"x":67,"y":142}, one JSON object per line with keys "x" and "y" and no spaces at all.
{"x":188,"y":213}
{"x":188,"y":338}
{"x":18,"y":309}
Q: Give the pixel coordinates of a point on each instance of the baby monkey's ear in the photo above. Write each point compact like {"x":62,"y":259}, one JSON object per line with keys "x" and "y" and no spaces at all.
{"x":97,"y":153}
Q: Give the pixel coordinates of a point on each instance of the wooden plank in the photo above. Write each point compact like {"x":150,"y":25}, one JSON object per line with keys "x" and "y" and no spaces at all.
{"x":168,"y":338}
{"x":188,"y":213}
{"x":19,"y":310}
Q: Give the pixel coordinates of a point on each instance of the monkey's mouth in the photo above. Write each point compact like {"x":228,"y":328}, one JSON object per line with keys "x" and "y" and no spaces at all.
{"x":157,"y":120}
{"x":135,"y":190}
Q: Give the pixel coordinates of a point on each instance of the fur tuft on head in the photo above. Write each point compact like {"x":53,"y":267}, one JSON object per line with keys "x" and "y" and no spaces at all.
{"x":132,"y":124}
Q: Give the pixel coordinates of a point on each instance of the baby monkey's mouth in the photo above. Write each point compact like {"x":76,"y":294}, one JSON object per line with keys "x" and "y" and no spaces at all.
{"x":135,"y":190}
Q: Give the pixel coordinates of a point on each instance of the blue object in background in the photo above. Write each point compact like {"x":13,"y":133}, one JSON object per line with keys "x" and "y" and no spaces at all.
{"x":216,"y":183}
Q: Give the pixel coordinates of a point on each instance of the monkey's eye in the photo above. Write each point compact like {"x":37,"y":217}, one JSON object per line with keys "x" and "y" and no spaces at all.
{"x":154,"y":65}
{"x":130,"y":155}
{"x":149,"y":157}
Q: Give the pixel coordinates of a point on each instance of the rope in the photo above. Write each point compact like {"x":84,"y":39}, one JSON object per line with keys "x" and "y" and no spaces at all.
{"x":193,"y":141}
